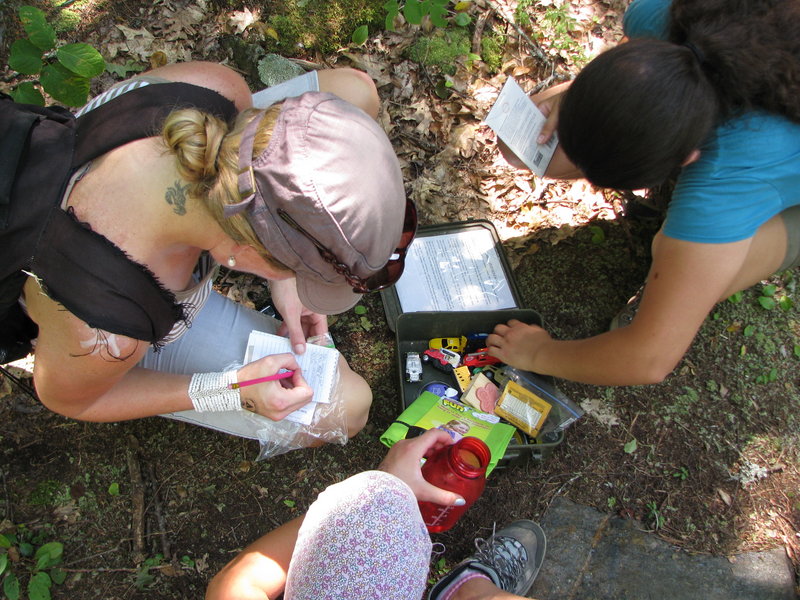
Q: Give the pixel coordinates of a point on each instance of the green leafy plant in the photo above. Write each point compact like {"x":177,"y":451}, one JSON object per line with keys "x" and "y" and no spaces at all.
{"x":655,"y":515}
{"x":437,"y":12}
{"x":63,"y":72}
{"x":39,"y":565}
{"x":768,"y":377}
{"x":767,"y":297}
{"x":736,"y":297}
{"x":144,"y":578}
{"x":682,"y":473}
{"x":598,"y":235}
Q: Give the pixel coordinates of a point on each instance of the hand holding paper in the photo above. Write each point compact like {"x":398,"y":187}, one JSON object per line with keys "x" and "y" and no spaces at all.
{"x":277,"y":398}
{"x":518,"y":123}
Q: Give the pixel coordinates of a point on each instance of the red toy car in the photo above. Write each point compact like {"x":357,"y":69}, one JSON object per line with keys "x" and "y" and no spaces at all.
{"x":480,"y":358}
{"x":442,"y":358}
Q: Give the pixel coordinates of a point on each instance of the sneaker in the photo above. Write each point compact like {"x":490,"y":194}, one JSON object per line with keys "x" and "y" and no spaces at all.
{"x":624,"y":317}
{"x":511,"y":558}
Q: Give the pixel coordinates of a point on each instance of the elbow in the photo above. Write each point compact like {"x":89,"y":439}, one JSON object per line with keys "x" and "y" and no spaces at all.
{"x":655,"y":370}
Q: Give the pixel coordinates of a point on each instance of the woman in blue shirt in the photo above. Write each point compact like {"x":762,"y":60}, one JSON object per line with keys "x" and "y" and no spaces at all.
{"x":711,"y":87}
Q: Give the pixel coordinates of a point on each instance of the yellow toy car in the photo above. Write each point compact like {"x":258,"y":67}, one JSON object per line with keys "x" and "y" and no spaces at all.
{"x":456,"y":344}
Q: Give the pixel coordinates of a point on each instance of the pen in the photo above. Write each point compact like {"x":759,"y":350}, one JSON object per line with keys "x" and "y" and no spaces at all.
{"x":281,"y":375}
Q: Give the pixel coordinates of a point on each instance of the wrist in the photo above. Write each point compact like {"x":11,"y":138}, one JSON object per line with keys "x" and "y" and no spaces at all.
{"x":211,"y":392}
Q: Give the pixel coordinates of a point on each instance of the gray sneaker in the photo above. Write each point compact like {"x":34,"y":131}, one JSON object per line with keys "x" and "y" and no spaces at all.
{"x":511,"y":558}
{"x":625,"y":316}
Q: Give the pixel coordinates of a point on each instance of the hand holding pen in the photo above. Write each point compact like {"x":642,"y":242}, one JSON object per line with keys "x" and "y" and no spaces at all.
{"x":273,"y":386}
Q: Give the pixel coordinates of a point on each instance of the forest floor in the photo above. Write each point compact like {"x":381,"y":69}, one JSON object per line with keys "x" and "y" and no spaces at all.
{"x":709,"y":459}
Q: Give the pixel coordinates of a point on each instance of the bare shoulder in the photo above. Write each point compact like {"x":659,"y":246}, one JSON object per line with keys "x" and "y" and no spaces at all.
{"x":210,"y":75}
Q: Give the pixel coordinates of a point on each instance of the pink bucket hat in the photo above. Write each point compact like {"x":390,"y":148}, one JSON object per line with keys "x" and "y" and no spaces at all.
{"x":326,"y":198}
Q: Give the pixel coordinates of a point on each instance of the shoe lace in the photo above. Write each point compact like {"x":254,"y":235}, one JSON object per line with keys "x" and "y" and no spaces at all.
{"x":505,"y":555}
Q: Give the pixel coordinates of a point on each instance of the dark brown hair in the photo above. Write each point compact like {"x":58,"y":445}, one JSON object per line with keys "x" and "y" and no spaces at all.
{"x":636,"y":112}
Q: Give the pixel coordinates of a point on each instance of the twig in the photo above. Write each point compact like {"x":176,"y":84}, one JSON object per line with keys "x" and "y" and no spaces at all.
{"x":535,"y":48}
{"x":162,"y":523}
{"x":137,"y":497}
{"x":480,"y":23}
{"x":9,"y":507}
{"x":116,"y":569}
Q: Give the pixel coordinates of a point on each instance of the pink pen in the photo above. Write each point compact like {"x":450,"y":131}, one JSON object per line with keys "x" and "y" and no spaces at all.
{"x":281,"y":375}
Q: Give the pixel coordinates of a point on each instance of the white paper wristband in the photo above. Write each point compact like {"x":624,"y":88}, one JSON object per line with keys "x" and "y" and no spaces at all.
{"x":209,"y":392}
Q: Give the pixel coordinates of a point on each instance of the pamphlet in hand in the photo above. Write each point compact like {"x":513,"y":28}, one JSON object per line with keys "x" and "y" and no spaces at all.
{"x":320,"y":368}
{"x":517,"y":121}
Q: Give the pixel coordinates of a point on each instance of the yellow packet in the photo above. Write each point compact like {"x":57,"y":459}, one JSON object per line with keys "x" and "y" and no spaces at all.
{"x":522,"y":408}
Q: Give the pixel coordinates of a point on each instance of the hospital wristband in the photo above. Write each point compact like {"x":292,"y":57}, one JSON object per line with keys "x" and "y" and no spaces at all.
{"x":210,"y":392}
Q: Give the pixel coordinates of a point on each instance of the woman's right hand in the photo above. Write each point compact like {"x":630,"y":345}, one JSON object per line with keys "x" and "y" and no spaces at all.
{"x":403,"y":461}
{"x":274,"y":399}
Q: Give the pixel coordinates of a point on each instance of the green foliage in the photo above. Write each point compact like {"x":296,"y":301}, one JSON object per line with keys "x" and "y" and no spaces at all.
{"x":64,"y":73}
{"x":144,"y":578}
{"x":418,"y":12}
{"x":492,"y":52}
{"x":598,"y":235}
{"x":655,"y":515}
{"x":320,"y":24}
{"x":39,"y":565}
{"x":46,"y":493}
{"x":521,"y":12}
{"x":682,"y":473}
{"x":441,"y":49}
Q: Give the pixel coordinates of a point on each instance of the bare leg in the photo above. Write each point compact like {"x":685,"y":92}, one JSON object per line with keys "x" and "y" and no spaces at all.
{"x":482,"y":589}
{"x":354,"y":86}
{"x":259,"y":571}
{"x":764,"y":256}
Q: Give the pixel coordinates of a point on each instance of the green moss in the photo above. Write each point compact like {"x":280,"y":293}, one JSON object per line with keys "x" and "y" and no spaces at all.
{"x":46,"y":493}
{"x":67,"y":20}
{"x":441,"y":49}
{"x":322,"y":25}
{"x":492,"y":51}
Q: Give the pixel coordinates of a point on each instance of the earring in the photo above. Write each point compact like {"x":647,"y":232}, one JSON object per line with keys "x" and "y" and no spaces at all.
{"x":231,"y":261}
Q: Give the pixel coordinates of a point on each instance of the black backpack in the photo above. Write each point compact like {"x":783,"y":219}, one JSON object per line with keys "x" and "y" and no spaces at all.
{"x":40,"y":149}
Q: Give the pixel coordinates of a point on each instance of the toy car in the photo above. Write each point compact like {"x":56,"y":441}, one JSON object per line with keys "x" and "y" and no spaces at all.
{"x":443,"y":359}
{"x":413,"y":367}
{"x":480,"y":358}
{"x":456,"y":344}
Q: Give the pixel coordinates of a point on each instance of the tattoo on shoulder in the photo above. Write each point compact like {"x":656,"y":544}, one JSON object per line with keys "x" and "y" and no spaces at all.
{"x":176,"y":197}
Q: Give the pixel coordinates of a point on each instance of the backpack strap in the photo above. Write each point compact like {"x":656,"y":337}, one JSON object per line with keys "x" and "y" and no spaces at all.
{"x":140,"y":113}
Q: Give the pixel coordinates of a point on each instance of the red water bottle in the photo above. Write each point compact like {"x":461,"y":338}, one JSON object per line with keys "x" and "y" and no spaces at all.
{"x":459,"y":468}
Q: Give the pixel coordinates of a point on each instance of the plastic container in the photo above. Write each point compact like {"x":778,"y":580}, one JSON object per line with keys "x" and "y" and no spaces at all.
{"x":459,"y":468}
{"x":413,"y":332}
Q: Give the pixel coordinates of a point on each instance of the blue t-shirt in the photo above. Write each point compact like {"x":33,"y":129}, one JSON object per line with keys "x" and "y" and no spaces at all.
{"x":748,"y":171}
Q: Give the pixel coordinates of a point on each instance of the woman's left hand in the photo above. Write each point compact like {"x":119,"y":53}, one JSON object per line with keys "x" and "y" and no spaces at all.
{"x":403,"y":461}
{"x":299,"y":323}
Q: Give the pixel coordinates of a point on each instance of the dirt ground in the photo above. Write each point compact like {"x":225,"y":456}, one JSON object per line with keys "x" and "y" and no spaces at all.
{"x":709,"y":459}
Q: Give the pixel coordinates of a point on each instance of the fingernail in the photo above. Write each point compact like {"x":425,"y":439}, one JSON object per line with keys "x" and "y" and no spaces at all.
{"x":299,"y":348}
{"x":459,"y":502}
{"x":540,"y":139}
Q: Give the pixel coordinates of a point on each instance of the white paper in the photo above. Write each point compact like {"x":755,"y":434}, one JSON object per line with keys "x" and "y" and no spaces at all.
{"x":319,"y":364}
{"x":454,"y":272}
{"x":517,"y":121}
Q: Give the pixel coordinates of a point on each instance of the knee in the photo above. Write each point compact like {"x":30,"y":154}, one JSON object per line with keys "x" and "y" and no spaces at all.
{"x":358,"y":399}
{"x":352,"y":85}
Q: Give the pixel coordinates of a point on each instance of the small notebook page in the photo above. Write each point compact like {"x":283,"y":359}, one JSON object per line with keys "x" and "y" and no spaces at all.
{"x":517,"y":121}
{"x":319,"y":364}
